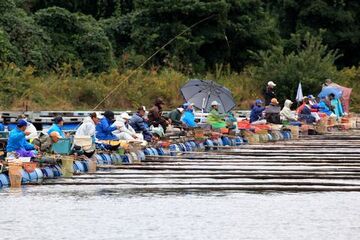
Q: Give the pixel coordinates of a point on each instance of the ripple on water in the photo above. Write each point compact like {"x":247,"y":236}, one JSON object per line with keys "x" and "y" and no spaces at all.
{"x":94,"y":212}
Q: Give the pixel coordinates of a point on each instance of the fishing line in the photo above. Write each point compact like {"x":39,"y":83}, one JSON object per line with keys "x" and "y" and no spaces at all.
{"x":149,"y":58}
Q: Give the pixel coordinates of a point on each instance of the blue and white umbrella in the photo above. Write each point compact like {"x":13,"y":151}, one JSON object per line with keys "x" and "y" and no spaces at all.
{"x":326,"y":91}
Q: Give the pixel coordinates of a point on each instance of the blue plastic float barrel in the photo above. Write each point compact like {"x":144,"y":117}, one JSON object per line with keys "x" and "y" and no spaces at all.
{"x":4,"y":179}
{"x":39,"y":173}
{"x":25,"y":176}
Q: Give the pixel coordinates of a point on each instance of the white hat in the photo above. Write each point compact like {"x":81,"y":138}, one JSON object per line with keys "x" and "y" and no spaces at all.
{"x":99,"y":115}
{"x":271,"y":83}
{"x":125,"y":116}
{"x":215,"y":103}
{"x":180,"y":109}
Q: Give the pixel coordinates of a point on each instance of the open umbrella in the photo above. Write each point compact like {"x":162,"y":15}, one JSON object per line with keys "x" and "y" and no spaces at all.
{"x":330,"y":90}
{"x":202,"y":92}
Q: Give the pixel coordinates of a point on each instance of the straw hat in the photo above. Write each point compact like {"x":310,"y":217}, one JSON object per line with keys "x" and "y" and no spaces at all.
{"x":274,"y":101}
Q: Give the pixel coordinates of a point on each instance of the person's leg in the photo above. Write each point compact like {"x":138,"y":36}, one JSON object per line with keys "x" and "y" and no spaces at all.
{"x":125,"y":136}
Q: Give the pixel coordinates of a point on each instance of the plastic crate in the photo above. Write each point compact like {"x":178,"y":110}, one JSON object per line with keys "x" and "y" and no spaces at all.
{"x":63,"y":146}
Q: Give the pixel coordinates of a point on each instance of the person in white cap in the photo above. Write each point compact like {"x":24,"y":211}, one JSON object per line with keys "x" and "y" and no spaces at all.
{"x":215,"y":119}
{"x":125,"y":131}
{"x":269,"y":92}
{"x":175,"y":116}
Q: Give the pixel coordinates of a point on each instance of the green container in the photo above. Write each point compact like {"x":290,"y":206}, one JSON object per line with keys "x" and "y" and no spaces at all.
{"x":63,"y":146}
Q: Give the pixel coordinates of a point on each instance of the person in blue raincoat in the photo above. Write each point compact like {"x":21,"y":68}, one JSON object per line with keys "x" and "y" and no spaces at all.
{"x":256,"y":115}
{"x":189,"y":117}
{"x":105,"y":128}
{"x":326,"y":107}
{"x":17,"y":142}
{"x":55,"y":131}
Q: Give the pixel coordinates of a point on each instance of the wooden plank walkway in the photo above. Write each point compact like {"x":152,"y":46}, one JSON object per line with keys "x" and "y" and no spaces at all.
{"x":314,"y":163}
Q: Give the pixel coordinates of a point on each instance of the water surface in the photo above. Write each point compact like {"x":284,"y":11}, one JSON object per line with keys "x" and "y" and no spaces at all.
{"x":108,"y":212}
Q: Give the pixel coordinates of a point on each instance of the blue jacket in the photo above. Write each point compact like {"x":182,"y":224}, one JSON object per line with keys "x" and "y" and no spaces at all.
{"x":56,"y":128}
{"x":104,"y":130}
{"x":137,"y":122}
{"x":189,"y":119}
{"x":17,"y":141}
{"x":256,"y":113}
{"x":323,"y":107}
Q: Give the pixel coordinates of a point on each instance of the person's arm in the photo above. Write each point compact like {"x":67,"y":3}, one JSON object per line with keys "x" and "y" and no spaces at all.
{"x":28,"y":146}
{"x":143,"y":128}
{"x":106,"y":127}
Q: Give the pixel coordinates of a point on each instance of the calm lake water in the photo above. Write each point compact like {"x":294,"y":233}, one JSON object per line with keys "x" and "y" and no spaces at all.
{"x":95,"y":212}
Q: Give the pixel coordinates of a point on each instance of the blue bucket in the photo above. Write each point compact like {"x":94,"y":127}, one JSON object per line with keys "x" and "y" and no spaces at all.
{"x":4,"y":179}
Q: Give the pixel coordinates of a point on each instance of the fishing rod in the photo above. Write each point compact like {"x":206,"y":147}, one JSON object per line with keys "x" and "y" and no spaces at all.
{"x":149,"y":58}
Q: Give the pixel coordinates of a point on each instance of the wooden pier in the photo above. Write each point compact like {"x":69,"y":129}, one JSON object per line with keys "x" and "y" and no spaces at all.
{"x":328,"y":162}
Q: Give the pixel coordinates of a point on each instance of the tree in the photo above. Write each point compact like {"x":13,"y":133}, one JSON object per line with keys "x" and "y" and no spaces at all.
{"x":310,"y":64}
{"x":76,"y":37}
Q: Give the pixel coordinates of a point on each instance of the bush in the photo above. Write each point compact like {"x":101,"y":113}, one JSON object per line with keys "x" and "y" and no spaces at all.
{"x":310,"y":64}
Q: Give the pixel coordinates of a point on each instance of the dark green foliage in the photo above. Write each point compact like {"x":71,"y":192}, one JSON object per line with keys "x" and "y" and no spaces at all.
{"x":76,"y":37}
{"x":100,"y":33}
{"x":310,"y":64}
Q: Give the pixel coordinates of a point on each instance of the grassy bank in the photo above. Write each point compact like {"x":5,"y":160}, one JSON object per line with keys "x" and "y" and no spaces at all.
{"x":66,"y":90}
{"x":69,"y":90}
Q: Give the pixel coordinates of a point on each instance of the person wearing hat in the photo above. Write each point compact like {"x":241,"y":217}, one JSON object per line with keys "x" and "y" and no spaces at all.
{"x":125,"y":131}
{"x":55,"y":131}
{"x":272,"y":112}
{"x":105,"y":128}
{"x":155,"y":117}
{"x":269,"y":92}
{"x":305,"y":114}
{"x":88,"y":127}
{"x":256,"y":114}
{"x":189,"y":117}
{"x":31,"y":129}
{"x":175,"y":117}
{"x":17,"y":142}
{"x":215,"y":119}
{"x":287,"y":115}
{"x":138,"y":123}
